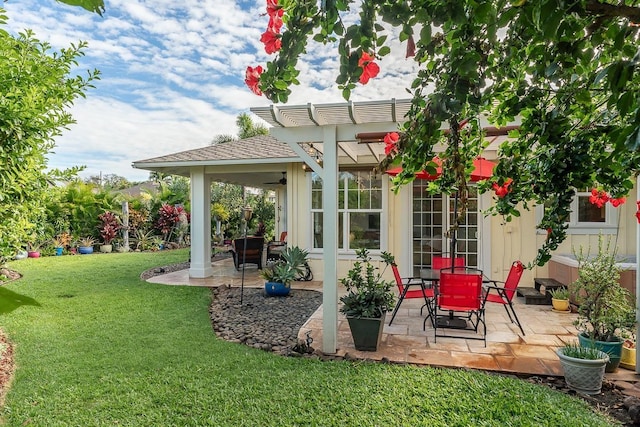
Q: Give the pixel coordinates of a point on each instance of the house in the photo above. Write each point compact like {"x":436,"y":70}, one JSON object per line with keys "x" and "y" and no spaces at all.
{"x":319,"y":160}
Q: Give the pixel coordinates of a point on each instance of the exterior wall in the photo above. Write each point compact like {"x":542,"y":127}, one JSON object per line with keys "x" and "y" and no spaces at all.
{"x":508,"y":242}
{"x":515,"y":240}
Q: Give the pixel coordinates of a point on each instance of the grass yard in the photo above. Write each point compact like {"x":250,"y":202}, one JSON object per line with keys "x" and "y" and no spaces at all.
{"x":95,"y":346}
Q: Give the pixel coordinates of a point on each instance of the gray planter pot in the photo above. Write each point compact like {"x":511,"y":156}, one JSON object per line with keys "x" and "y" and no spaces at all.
{"x":366,"y":332}
{"x":582,"y":375}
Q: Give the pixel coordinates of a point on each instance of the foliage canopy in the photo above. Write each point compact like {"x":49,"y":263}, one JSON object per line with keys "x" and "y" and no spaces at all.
{"x":568,"y":71}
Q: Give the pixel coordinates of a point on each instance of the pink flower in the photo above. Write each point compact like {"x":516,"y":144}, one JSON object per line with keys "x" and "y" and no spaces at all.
{"x":252,"y":79}
{"x":391,"y":143}
{"x":369,"y":68}
{"x":272,"y":42}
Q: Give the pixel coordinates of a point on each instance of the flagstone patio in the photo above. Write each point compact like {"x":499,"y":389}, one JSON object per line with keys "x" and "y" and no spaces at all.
{"x":507,"y":351}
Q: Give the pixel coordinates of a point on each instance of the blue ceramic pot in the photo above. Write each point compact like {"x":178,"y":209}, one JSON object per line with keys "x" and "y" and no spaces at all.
{"x":85,"y":250}
{"x":59,"y":251}
{"x":276,"y":289}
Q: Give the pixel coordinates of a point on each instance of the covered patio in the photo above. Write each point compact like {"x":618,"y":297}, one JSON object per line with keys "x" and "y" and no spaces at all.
{"x":405,"y":341}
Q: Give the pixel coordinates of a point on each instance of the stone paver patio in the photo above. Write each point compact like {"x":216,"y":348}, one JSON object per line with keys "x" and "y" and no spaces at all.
{"x":405,"y":341}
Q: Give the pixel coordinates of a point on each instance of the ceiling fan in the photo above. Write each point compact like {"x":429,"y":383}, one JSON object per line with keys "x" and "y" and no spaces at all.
{"x":281,"y":181}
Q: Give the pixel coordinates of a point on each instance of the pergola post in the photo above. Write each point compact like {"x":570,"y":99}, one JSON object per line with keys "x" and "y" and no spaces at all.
{"x":200,"y":224}
{"x":330,"y":241}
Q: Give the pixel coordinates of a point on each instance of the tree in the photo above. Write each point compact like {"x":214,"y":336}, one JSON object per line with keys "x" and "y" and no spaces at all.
{"x":568,"y":70}
{"x":247,"y":128}
{"x":36,"y":90}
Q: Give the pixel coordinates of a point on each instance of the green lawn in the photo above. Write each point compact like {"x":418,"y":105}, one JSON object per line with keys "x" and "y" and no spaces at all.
{"x":95,"y":346}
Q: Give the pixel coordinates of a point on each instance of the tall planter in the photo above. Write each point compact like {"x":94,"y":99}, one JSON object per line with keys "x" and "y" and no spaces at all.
{"x":583,"y":375}
{"x":366,"y":332}
{"x":611,"y":348}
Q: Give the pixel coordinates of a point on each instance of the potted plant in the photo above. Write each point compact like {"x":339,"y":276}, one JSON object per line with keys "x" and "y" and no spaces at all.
{"x":279,"y":274}
{"x":108,"y":230}
{"x":61,"y":241}
{"x":560,"y":300}
{"x":33,"y":249}
{"x":583,"y":367}
{"x":58,"y":245}
{"x":86,"y":245}
{"x":367,"y":300}
{"x":604,"y":306}
{"x":628,"y":356}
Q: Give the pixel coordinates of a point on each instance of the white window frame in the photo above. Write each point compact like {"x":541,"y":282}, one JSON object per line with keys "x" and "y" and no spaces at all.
{"x":609,"y":226}
{"x":344,"y":251}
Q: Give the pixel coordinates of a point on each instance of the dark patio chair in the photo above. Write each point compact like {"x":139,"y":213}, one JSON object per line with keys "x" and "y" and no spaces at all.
{"x":418,"y":291}
{"x":252,"y":254}
{"x":504,"y":294}
{"x":459,"y":305}
{"x":275,"y":247}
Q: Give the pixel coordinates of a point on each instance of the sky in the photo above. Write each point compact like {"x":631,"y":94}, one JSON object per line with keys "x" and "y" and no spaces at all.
{"x":172,"y":75}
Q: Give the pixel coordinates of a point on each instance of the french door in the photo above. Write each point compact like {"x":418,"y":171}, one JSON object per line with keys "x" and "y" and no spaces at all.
{"x":432,"y":219}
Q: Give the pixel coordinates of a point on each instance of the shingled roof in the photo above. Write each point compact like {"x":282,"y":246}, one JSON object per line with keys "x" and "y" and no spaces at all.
{"x":256,"y":147}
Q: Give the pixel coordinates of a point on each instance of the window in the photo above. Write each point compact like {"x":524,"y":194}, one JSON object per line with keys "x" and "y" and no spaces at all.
{"x":360,"y":201}
{"x":587,"y":218}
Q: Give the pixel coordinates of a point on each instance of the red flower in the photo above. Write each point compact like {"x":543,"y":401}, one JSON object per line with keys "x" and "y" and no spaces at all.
{"x":275,"y":23}
{"x":598,"y":197}
{"x":502,"y":190}
{"x":391,"y":143}
{"x":617,"y":202}
{"x":272,"y":42}
{"x":369,"y":68}
{"x":273,"y":8}
{"x":252,"y":79}
{"x":411,"y":47}
{"x":638,"y":211}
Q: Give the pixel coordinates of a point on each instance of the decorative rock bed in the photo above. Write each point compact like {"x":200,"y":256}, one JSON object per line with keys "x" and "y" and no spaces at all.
{"x":263,"y":322}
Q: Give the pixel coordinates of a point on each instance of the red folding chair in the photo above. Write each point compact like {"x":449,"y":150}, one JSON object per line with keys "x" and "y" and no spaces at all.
{"x":438,"y":262}
{"x":418,"y":291}
{"x":459,"y":295}
{"x":504,"y":294}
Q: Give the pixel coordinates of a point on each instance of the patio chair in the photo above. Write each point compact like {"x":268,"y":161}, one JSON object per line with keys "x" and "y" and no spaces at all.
{"x":275,"y":247}
{"x":504,"y":294}
{"x":419,"y":291}
{"x":252,"y":254}
{"x":459,"y":298}
{"x":438,"y":262}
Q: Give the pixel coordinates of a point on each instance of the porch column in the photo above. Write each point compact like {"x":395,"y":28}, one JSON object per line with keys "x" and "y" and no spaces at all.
{"x":200,"y":224}
{"x":330,"y":241}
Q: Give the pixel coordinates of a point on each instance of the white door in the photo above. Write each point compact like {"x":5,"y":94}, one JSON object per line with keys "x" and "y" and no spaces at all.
{"x":432,"y":218}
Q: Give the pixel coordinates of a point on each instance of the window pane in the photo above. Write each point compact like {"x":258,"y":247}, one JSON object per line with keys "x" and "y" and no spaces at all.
{"x":588,"y":212}
{"x":364,"y":230}
{"x":317,"y":229}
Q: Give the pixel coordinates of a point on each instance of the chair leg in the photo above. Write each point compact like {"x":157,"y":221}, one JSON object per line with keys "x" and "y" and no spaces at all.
{"x":395,"y":311}
{"x":517,"y":322}
{"x":508,"y":313}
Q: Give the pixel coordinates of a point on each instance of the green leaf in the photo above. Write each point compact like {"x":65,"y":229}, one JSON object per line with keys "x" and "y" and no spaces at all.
{"x":384,"y":50}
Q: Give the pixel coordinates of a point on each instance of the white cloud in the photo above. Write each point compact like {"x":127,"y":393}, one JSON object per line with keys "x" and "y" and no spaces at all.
{"x":173,"y":75}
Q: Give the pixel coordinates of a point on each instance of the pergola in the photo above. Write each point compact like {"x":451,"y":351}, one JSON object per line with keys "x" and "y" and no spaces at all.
{"x":352,"y":131}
